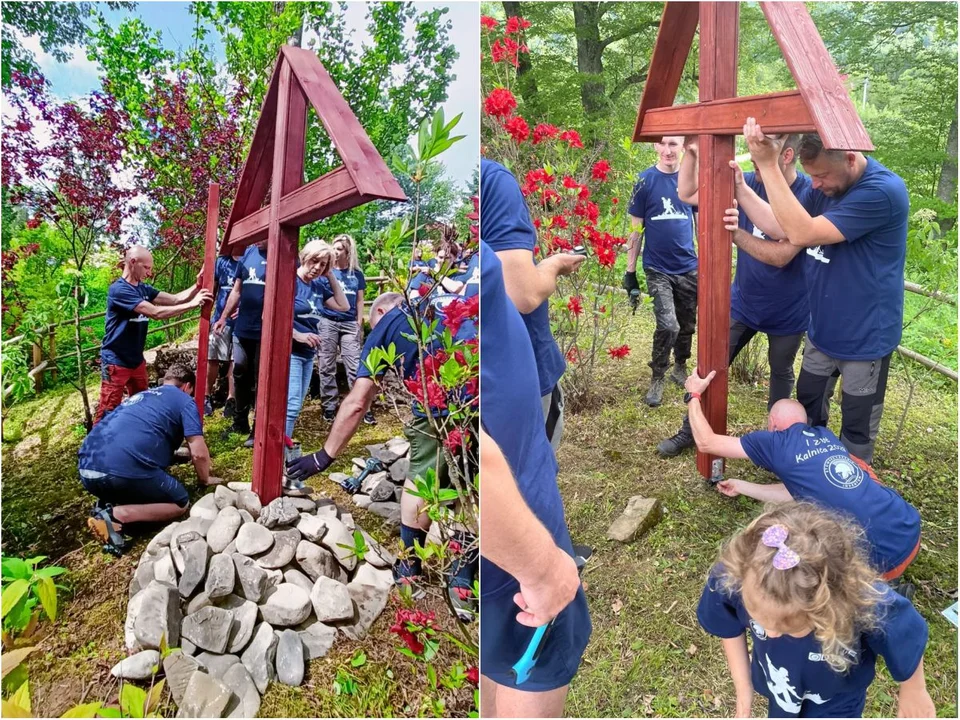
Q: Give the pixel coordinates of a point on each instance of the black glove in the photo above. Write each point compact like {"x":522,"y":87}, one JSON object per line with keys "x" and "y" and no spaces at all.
{"x":630,"y":281}
{"x":308,"y":465}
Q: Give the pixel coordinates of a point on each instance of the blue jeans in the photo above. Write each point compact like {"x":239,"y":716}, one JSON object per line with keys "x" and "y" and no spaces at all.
{"x":301,"y":368}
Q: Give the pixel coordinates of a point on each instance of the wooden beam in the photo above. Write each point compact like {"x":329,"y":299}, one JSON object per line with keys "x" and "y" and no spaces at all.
{"x":678,"y":24}
{"x":327,"y":195}
{"x":209,"y":270}
{"x":777,"y":113}
{"x":277,"y":333}
{"x":719,"y":30}
{"x":816,"y":76}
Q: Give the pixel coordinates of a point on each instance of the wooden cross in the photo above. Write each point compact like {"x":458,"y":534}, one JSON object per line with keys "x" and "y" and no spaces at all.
{"x":820,"y":105}
{"x":275,"y":162}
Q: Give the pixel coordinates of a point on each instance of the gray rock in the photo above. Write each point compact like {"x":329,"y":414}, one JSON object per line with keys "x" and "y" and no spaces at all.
{"x":387,"y":510}
{"x":162,"y":538}
{"x":224,"y":528}
{"x":144,"y":574}
{"x":178,"y":669}
{"x":317,"y":639}
{"x":245,"y":702}
{"x":188,"y":647}
{"x":216,"y":665}
{"x":247,"y":517}
{"x":362,"y":501}
{"x":163,"y":569}
{"x":328,"y":511}
{"x":280,"y":511}
{"x":274,"y":577}
{"x":283,"y":551}
{"x":197,"y":603}
{"x":303,"y":504}
{"x":377,"y":555}
{"x":253,"y":539}
{"x":367,"y":574}
{"x":259,"y":656}
{"x":231,"y":549}
{"x":208,"y":628}
{"x":224,"y":497}
{"x":295,"y":577}
{"x":400,"y":470}
{"x":371,"y":481}
{"x":221,"y":577}
{"x":181,"y":538}
{"x":195,"y":555}
{"x":251,"y":578}
{"x":335,"y":538}
{"x":205,"y":508}
{"x":197,"y":525}
{"x":136,"y":667}
{"x":387,"y":456}
{"x":399,"y":445}
{"x":339,"y":478}
{"x":369,"y":601}
{"x":158,"y":615}
{"x":249,"y":501}
{"x":348,"y":522}
{"x":359,"y":463}
{"x":311,"y":527}
{"x":382,"y":491}
{"x":290,"y":658}
{"x":371,"y":449}
{"x":316,"y":561}
{"x":288,"y":605}
{"x":640,"y":515}
{"x":398,"y":493}
{"x":331,"y":600}
{"x":239,"y":486}
{"x":204,"y":697}
{"x":244,"y":620}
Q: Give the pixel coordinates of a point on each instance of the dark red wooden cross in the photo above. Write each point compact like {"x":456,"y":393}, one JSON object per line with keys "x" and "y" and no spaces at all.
{"x":820,"y":105}
{"x":275,"y":162}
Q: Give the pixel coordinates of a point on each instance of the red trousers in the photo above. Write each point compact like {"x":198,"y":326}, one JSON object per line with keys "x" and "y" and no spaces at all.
{"x":114,"y":380}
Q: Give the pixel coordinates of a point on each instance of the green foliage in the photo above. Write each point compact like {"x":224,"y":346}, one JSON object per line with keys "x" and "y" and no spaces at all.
{"x":26,"y":591}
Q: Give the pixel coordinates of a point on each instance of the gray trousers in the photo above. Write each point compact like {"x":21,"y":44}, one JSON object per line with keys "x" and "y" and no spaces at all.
{"x":675,"y":309}
{"x":336,"y":335}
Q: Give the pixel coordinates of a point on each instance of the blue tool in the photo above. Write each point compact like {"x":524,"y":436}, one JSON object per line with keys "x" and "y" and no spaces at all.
{"x":525,"y":665}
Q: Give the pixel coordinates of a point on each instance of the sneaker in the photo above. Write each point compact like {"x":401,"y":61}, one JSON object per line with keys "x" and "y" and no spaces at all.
{"x":404,"y":578}
{"x":464,"y":603}
{"x":673,"y":446}
{"x":207,"y":406}
{"x":655,"y":393}
{"x":679,"y":373}
{"x":230,"y":408}
{"x":329,"y":415}
{"x":369,"y":418}
{"x":107,"y":530}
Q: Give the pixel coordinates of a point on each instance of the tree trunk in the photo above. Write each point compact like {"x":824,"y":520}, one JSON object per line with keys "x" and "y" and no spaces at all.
{"x":947,"y":187}
{"x":81,"y":376}
{"x":593,"y":92}
{"x":526,"y":82}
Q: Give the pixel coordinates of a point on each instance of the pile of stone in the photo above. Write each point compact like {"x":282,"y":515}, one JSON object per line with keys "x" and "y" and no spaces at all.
{"x":380,"y":491}
{"x":249,"y":594}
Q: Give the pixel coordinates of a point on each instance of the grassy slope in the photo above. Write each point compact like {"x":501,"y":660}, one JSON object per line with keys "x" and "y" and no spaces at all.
{"x":648,"y":656}
{"x":44,"y":511}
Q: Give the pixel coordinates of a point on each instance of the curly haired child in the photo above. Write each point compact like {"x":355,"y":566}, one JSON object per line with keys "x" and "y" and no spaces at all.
{"x":819,"y":615}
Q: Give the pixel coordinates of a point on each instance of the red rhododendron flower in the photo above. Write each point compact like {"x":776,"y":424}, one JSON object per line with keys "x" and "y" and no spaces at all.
{"x":600,"y":170}
{"x":473,"y":675}
{"x":488,"y":23}
{"x":408,"y":624}
{"x":544,"y":131}
{"x":584,"y":192}
{"x":619,"y":353}
{"x":573,"y":355}
{"x":459,"y":310}
{"x":559,"y":221}
{"x":497,"y":51}
{"x":456,"y":439}
{"x":614,"y":200}
{"x":572,"y":137}
{"x":537,"y":223}
{"x":33,"y":223}
{"x":516,"y":24}
{"x":500,"y":103}
{"x":569,"y":182}
{"x":436,"y":397}
{"x":424,"y":289}
{"x":575,"y":305}
{"x":518,"y":128}
{"x":454,"y":547}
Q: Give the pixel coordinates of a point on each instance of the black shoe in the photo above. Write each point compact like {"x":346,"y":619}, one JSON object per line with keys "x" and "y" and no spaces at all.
{"x":655,"y":393}
{"x":230,"y":408}
{"x":329,"y":415}
{"x":369,"y":418}
{"x":673,"y":446}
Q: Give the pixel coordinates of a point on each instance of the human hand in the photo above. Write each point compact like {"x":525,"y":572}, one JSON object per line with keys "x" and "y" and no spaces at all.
{"x":204,"y":296}
{"x":199,"y":283}
{"x":219,"y":325}
{"x":737,"y":175}
{"x":915,"y":703}
{"x":308,"y":465}
{"x":566,"y":263}
{"x":690,"y":145}
{"x":730,"y":488}
{"x":697,"y":384}
{"x":764,"y":149}
{"x":311,"y":339}
{"x":542,"y":600}
{"x":731,"y":218}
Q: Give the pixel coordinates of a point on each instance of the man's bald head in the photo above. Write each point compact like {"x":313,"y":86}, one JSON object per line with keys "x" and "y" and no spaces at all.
{"x":785,"y":413}
{"x":137,"y":263}
{"x":382,"y":305}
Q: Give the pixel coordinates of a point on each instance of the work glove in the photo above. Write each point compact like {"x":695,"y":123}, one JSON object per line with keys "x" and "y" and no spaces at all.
{"x":309,"y":465}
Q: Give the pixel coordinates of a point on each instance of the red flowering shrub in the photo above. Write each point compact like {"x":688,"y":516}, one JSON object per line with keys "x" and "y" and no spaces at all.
{"x":619,"y":352}
{"x":499,"y":103}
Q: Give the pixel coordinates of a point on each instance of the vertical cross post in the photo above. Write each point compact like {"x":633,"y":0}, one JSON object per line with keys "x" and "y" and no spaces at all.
{"x":209,"y":266}
{"x":719,"y":34}
{"x":277,"y":333}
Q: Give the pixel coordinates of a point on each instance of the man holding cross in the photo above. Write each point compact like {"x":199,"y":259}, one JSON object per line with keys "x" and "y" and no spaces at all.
{"x":853,"y":228}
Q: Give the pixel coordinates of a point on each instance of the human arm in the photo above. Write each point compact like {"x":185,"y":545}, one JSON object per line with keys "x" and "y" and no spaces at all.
{"x":516,"y":541}
{"x":688,"y":180}
{"x":339,"y":301}
{"x":162,"y":312}
{"x":634,"y":243}
{"x":200,"y":457}
{"x":529,"y":284}
{"x":707,"y":440}
{"x":311,"y":339}
{"x":913,"y":700}
{"x":772,"y":252}
{"x":181,"y":297}
{"x":229,"y":307}
{"x":738,"y":661}
{"x":775,"y":493}
{"x":360,"y":315}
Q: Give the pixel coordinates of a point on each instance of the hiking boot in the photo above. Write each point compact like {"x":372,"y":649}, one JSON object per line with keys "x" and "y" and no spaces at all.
{"x":673,"y":446}
{"x":630,"y":282}
{"x":404,"y":577}
{"x":230,"y":408}
{"x":107,"y":530}
{"x":207,"y":406}
{"x":369,"y":418}
{"x":329,"y":415}
{"x":464,"y":603}
{"x":904,"y":588}
{"x":679,"y":373}
{"x":655,"y":393}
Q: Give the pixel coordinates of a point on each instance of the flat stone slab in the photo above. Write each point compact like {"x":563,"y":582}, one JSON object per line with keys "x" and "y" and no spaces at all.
{"x":178,"y":669}
{"x":290,"y":665}
{"x":224,"y":528}
{"x":283,"y":551}
{"x":640,"y":515}
{"x":245,"y":702}
{"x":204,"y":697}
{"x":253,"y":539}
{"x":136,"y":667}
{"x":259,"y":656}
{"x":317,"y":639}
{"x":331,"y":600}
{"x":287,"y":605}
{"x":209,"y":628}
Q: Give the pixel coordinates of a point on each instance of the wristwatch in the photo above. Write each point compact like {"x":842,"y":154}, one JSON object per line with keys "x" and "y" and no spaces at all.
{"x":687,"y":397}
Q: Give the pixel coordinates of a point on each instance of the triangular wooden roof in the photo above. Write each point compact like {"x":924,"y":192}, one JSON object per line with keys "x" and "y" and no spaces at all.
{"x":363,"y":177}
{"x":821,"y":103}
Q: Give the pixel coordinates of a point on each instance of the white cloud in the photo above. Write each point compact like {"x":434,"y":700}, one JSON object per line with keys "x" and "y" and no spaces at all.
{"x":76,"y":76}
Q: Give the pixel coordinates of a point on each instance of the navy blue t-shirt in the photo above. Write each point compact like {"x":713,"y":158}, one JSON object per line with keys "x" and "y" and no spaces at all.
{"x":856,"y":286}
{"x":470,"y":277}
{"x":419,"y":265}
{"x":225,"y":273}
{"x":792,"y":673}
{"x":667,"y":222}
{"x":764,"y":297}
{"x":125,"y":330}
{"x":252,"y":271}
{"x":351,"y":282}
{"x":814,"y":465}
{"x":505,"y":225}
{"x":307,"y":311}
{"x":141,"y":434}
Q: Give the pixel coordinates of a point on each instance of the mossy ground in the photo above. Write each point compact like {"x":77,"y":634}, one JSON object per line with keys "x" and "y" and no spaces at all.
{"x":44,"y":513}
{"x":648,"y":656}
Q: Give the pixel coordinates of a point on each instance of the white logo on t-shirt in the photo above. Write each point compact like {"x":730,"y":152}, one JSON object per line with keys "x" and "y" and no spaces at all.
{"x":757,"y":630}
{"x":253,"y":279}
{"x":843,"y":472}
{"x":817,"y":254}
{"x":669,"y":211}
{"x":785,"y":694}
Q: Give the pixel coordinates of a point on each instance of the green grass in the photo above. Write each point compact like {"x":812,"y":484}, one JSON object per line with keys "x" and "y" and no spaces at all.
{"x":648,"y":656}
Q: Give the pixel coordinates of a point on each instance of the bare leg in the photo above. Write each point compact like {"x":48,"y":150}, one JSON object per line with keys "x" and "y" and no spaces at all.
{"x":411,"y":509}
{"x":510,"y":702}
{"x":230,"y":381}
{"x":213,"y":370}
{"x":153,"y":512}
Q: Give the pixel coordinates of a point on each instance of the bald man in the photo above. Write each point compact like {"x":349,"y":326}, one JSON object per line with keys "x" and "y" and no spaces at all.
{"x":131,"y":303}
{"x":814,"y":466}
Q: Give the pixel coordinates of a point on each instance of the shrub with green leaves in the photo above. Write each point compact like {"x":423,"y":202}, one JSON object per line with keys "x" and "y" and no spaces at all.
{"x":27,"y":590}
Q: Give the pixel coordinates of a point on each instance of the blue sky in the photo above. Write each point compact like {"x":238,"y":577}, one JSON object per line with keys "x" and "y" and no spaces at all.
{"x":79,"y":76}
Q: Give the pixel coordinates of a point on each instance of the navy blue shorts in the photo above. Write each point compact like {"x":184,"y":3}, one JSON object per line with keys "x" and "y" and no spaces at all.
{"x":503,"y":640}
{"x":159,"y":488}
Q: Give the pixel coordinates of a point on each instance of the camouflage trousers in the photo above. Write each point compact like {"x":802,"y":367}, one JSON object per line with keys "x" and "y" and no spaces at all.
{"x":675,"y":308}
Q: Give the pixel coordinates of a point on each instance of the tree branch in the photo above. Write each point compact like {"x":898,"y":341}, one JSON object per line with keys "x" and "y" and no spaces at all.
{"x":629,"y":32}
{"x":633,"y":79}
